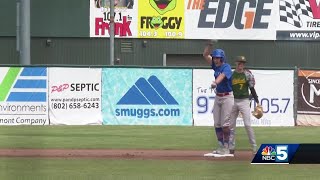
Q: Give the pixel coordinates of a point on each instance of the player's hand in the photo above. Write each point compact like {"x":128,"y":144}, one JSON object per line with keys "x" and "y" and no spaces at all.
{"x":213,"y":85}
{"x":207,"y":50}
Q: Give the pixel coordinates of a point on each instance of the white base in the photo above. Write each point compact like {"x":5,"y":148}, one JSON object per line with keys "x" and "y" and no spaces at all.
{"x":218,"y":155}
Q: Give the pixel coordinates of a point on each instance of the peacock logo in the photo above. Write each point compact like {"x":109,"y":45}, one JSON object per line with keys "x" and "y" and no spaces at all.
{"x":268,"y":151}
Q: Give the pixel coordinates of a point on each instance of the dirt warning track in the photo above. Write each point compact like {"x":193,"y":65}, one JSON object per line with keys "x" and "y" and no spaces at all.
{"x":123,"y":154}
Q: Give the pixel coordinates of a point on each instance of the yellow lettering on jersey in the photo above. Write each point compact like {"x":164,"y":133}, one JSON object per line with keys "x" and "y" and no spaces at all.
{"x":238,"y":81}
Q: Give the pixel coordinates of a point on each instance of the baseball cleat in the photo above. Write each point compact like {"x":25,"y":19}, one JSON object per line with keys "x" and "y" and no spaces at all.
{"x":224,"y":153}
{"x":220,"y":153}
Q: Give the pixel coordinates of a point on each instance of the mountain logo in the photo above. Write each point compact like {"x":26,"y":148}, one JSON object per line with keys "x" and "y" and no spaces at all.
{"x":148,"y":92}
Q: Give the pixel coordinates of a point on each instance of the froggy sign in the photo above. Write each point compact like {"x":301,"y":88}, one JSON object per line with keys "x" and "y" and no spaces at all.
{"x":161,"y":19}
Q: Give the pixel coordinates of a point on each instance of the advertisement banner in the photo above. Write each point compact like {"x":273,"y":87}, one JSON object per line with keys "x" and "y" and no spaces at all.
{"x":208,"y":19}
{"x":298,"y":20}
{"x":23,"y":96}
{"x":274,"y":88}
{"x":161,"y":19}
{"x":308,"y":98}
{"x":125,"y":18}
{"x":75,"y":96}
{"x":230,"y":19}
{"x":138,"y":96}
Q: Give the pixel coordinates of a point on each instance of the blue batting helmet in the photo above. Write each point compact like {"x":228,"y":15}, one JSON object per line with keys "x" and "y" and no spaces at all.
{"x":218,"y":53}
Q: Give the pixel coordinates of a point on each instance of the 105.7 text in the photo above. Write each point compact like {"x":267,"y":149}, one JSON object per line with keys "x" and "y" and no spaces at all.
{"x":272,"y":105}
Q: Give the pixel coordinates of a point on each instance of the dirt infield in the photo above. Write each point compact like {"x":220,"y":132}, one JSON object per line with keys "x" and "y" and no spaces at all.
{"x":122,"y":154}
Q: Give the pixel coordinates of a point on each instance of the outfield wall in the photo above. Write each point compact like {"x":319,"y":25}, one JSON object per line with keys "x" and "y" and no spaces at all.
{"x":140,"y":96}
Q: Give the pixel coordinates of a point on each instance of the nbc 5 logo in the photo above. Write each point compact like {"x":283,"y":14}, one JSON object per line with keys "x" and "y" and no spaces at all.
{"x":282,"y":153}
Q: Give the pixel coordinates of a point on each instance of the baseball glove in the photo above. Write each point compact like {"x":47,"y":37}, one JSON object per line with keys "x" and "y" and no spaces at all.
{"x":258,"y":112}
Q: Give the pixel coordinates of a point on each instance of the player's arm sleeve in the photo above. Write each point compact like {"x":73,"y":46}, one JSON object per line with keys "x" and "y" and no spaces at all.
{"x":250,"y":78}
{"x":227,"y":71}
{"x":254,"y":94}
{"x":252,"y":82}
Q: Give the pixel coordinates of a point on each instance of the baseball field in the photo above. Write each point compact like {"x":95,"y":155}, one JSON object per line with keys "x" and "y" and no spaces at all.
{"x":141,"y":152}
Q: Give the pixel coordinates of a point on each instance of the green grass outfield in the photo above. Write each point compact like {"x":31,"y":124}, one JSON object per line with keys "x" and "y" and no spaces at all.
{"x":145,"y":137}
{"x":94,"y":169}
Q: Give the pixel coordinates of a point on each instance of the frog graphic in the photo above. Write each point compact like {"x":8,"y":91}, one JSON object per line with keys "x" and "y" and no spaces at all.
{"x":156,"y":22}
{"x":163,"y":6}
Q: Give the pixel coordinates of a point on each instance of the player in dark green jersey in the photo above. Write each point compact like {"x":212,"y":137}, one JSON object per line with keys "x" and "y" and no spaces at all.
{"x":242,"y":82}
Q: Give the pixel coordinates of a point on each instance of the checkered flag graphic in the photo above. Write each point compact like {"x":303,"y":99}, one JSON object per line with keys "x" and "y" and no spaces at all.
{"x":291,"y":10}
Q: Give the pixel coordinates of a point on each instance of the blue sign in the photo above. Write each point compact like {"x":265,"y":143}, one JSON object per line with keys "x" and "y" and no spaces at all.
{"x":146,"y":96}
